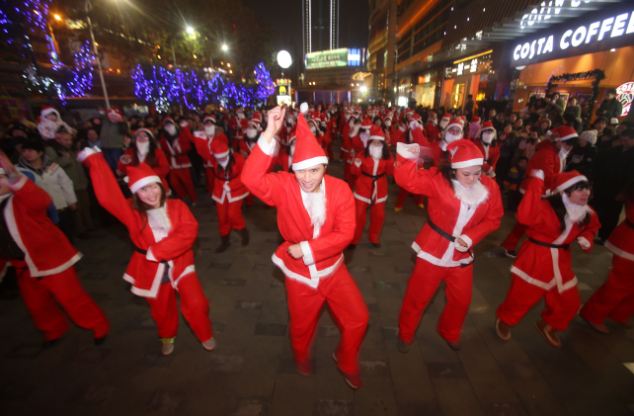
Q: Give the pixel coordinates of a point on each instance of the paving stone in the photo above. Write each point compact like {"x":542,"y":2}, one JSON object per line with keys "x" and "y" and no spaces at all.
{"x":251,"y":407}
{"x":330,"y":407}
{"x":248,"y":305}
{"x":233,"y":282}
{"x":165,"y":402}
{"x":24,"y":351}
{"x":328,"y":331}
{"x":270,"y":329}
{"x":223,"y":363}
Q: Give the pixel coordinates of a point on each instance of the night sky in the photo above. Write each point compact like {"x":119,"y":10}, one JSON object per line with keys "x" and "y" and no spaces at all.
{"x":285,"y":17}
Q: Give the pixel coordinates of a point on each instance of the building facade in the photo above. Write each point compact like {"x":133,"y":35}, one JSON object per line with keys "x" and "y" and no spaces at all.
{"x":320,"y":25}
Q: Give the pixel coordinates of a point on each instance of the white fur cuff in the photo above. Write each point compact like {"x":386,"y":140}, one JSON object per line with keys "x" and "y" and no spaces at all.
{"x":408,"y":151}
{"x":150,"y":255}
{"x":537,"y":173}
{"x":87,"y":152}
{"x":268,"y":148}
{"x":307,"y":252}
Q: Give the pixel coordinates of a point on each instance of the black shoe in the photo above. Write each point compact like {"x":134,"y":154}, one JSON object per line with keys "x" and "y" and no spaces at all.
{"x":376,"y":245}
{"x":244,"y":234}
{"x":100,"y":341}
{"x":402,"y":346}
{"x":351,"y":247}
{"x":224,"y":244}
{"x":454,"y":345}
{"x":50,"y":343}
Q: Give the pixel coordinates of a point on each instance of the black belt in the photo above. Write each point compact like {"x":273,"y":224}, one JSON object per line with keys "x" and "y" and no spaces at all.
{"x":374,"y":177}
{"x":541,"y":243}
{"x":139,"y":250}
{"x":449,"y":237}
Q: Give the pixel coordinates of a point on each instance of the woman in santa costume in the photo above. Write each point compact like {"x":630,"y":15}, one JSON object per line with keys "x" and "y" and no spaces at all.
{"x":550,"y":157}
{"x":615,"y":298}
{"x":315,"y":216}
{"x":543,"y":268}
{"x":163,"y":232}
{"x":44,"y":260}
{"x":463,"y":207}
{"x":144,"y":149}
{"x":208,"y":134}
{"x":228,"y":190}
{"x":487,"y":142}
{"x":370,"y":186}
{"x":176,"y":143}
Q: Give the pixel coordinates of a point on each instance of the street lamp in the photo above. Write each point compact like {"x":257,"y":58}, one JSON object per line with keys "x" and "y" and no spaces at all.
{"x":88,"y":8}
{"x":363,"y":89}
{"x":284,"y":59}
{"x":224,"y":47}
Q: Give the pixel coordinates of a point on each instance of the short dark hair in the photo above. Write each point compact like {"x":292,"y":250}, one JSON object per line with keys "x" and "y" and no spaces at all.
{"x":33,"y":144}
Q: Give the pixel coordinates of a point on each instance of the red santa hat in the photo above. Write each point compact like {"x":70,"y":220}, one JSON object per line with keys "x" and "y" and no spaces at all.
{"x":446,"y":117}
{"x":144,"y":130}
{"x":168,"y":119}
{"x":456,"y":122}
{"x":140,"y":176}
{"x":565,"y":180}
{"x":308,"y":152}
{"x":464,"y":153}
{"x":564,"y":133}
{"x":487,"y":125}
{"x":220,"y":149}
{"x":475,"y":119}
{"x":209,"y":118}
{"x":48,"y":109}
{"x":376,"y":133}
{"x":366,"y":123}
{"x":257,"y":117}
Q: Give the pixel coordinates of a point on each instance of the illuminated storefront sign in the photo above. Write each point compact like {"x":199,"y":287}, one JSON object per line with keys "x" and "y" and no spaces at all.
{"x":335,"y":58}
{"x":625,"y":94}
{"x":548,"y":9}
{"x":577,"y":38}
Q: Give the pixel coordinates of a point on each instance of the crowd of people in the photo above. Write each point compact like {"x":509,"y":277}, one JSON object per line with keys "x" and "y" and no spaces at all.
{"x":566,"y":178}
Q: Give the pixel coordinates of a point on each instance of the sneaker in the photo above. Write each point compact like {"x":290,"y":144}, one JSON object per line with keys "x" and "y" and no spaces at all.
{"x":549,"y":334}
{"x":511,"y":254}
{"x":352,"y":380}
{"x":601,"y":328}
{"x":210,"y":344}
{"x":402,"y":346}
{"x":502,"y":330}
{"x":167,"y":346}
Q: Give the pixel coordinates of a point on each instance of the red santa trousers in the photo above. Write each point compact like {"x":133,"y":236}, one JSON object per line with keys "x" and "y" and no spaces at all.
{"x":44,"y":296}
{"x":193,"y":305}
{"x":559,"y":308}
{"x":615,"y":299}
{"x":377,"y":218}
{"x":230,"y":217}
{"x":182,"y":184}
{"x":347,"y":307}
{"x":421,"y":287}
{"x":402,"y":196}
{"x":514,"y":237}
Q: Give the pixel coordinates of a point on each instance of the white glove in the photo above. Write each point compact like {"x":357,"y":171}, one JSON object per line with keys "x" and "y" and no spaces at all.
{"x":357,"y":163}
{"x":583,"y":243}
{"x":408,"y":151}
{"x":537,"y":173}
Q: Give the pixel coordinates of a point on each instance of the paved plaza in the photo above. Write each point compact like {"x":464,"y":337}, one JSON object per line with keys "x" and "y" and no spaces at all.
{"x":252,"y":373}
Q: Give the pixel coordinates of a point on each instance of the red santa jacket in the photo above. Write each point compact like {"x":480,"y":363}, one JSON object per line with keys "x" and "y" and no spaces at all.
{"x":546,"y":158}
{"x":469,"y":221}
{"x":177,"y":150}
{"x":280,"y":189}
{"x":491,"y":157}
{"x":432,"y":131}
{"x":537,"y":264}
{"x":150,"y":259}
{"x":46,"y":249}
{"x":621,"y":241}
{"x":227,"y":183}
{"x":370,"y":185}
{"x":200,"y":136}
{"x":160,"y":166}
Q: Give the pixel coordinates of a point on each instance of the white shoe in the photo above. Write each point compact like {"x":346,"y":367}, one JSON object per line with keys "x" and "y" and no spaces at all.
{"x":210,"y":344}
{"x":167,"y":346}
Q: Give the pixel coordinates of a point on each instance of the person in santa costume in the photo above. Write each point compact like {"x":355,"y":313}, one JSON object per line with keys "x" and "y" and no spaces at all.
{"x":614,"y":300}
{"x":207,"y":135}
{"x":416,"y":135}
{"x":463,"y":207}
{"x":473,"y":130}
{"x":228,"y":190}
{"x":144,"y":149}
{"x":50,"y":122}
{"x":176,"y":143}
{"x":44,"y":260}
{"x":487,"y":142}
{"x":348,"y":147}
{"x":550,"y":157}
{"x":543,"y":268}
{"x":163,"y":232}
{"x":371,"y":187}
{"x":315,"y":216}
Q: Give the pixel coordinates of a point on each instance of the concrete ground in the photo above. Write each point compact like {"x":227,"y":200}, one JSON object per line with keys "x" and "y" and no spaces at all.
{"x":252,"y":372}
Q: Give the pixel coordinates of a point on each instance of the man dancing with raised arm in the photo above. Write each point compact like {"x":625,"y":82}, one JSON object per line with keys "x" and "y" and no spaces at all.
{"x":315,"y":215}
